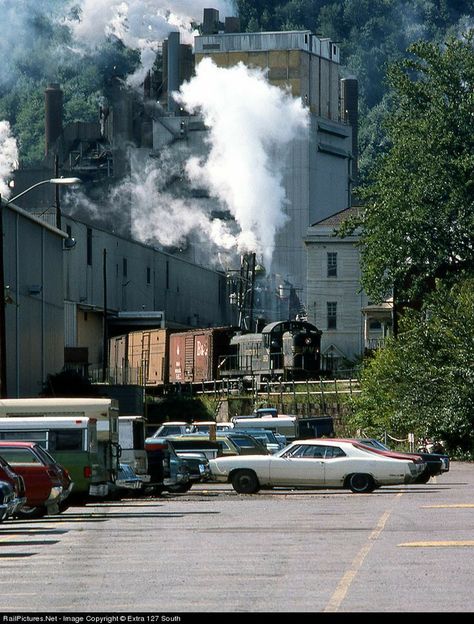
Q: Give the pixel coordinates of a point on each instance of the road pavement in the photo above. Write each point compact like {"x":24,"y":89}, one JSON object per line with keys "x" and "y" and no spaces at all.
{"x":399,"y":549}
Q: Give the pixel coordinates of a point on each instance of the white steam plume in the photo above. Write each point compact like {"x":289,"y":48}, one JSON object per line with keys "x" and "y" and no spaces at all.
{"x":8,"y":157}
{"x":141,"y":24}
{"x":250,"y":123}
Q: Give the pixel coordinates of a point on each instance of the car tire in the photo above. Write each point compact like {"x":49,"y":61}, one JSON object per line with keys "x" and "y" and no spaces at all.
{"x":245,"y":482}
{"x":65,"y":504}
{"x":361,"y":483}
{"x":423,"y":478}
{"x":28,"y":513}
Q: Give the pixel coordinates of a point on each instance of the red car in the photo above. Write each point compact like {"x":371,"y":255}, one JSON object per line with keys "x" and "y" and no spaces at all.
{"x":47,"y":483}
{"x":16,"y":483}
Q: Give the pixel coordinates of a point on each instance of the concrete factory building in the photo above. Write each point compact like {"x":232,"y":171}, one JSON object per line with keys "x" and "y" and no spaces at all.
{"x":320,"y":168}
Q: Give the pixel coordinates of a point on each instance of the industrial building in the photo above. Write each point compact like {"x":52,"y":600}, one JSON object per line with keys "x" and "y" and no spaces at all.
{"x":321,"y":168}
{"x":105,"y":280}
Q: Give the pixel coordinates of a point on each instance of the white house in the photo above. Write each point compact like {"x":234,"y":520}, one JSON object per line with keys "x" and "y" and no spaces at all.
{"x":336,"y":303}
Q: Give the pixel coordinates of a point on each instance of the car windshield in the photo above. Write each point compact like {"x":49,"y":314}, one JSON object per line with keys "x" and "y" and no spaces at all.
{"x":243,"y":441}
{"x":375,"y":443}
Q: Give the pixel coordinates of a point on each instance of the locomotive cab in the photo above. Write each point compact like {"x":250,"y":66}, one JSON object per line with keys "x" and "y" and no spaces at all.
{"x":292,"y":348}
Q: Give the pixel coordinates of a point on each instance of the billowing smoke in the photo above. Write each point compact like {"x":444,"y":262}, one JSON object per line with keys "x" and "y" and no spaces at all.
{"x":251,"y":122}
{"x":141,"y":24}
{"x":86,"y":24}
{"x":8,"y":157}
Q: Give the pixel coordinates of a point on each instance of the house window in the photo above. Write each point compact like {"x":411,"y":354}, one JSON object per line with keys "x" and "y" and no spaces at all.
{"x":124,"y":267}
{"x":332,"y":314}
{"x":148,"y":275}
{"x":332,"y":264}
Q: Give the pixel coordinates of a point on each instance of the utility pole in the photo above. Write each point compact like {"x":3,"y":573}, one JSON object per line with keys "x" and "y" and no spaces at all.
{"x":3,"y":339}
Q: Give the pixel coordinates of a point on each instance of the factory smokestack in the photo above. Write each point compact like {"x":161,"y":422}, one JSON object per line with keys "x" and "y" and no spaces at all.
{"x":173,"y":49}
{"x":53,"y":101}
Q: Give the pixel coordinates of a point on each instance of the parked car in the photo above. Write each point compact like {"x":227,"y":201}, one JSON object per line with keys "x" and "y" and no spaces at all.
{"x":172,"y":428}
{"x":205,"y":426}
{"x":47,"y":483}
{"x":282,"y":441}
{"x":316,"y":463}
{"x":232,"y":443}
{"x":127,"y":479}
{"x":264,"y":436}
{"x":436,"y":463}
{"x":170,"y":471}
{"x":7,"y":500}
{"x":12,"y":491}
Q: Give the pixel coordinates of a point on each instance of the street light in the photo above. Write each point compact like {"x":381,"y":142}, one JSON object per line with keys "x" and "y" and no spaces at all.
{"x":60,"y":181}
{"x":3,"y":359}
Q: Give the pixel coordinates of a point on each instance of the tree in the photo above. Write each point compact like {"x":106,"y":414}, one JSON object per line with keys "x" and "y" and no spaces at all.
{"x":422,"y":382}
{"x":69,"y":383}
{"x":418,"y":224}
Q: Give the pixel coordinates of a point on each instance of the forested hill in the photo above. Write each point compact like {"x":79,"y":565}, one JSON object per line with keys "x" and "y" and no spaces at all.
{"x":371,"y":34}
{"x":37,"y":47}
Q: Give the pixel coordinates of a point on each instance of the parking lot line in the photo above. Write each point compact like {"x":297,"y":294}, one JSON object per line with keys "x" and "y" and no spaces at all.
{"x":444,"y":544}
{"x":453,"y":506}
{"x":346,"y":581}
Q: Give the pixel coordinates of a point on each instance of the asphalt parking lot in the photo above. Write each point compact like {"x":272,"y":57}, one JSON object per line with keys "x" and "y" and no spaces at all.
{"x":399,"y":549}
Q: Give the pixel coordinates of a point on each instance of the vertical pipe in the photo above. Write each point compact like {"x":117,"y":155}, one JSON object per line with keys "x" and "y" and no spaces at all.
{"x":105,"y":333}
{"x":3,"y":349}
{"x":43,"y":310}
{"x":56,"y":191}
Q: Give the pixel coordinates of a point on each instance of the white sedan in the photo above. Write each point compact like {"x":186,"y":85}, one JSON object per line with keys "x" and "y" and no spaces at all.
{"x":314,"y":463}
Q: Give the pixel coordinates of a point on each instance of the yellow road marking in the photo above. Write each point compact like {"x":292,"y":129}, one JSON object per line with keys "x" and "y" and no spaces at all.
{"x":438,"y":544}
{"x":454,"y":506}
{"x":346,"y":581}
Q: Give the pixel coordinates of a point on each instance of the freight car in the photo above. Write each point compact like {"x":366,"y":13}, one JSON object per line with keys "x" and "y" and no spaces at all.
{"x":194,"y":355}
{"x":283,"y":350}
{"x":140,"y":357}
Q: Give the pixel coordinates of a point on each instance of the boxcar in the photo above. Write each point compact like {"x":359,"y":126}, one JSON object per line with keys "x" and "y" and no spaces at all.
{"x":140,"y":357}
{"x":194,"y":355}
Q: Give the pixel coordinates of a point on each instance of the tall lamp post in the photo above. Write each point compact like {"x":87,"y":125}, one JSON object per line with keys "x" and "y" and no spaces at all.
{"x":3,"y":340}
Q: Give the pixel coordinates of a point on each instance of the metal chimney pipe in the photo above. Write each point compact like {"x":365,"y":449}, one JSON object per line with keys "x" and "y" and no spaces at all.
{"x":350,"y":115}
{"x":53,"y":102}
{"x":173,"y":69}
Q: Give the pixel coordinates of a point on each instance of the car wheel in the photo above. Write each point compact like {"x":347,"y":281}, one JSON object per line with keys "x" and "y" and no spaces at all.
{"x":360,"y":483}
{"x":423,"y":478}
{"x":245,"y":482}
{"x":28,"y":513}
{"x":63,"y":505}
